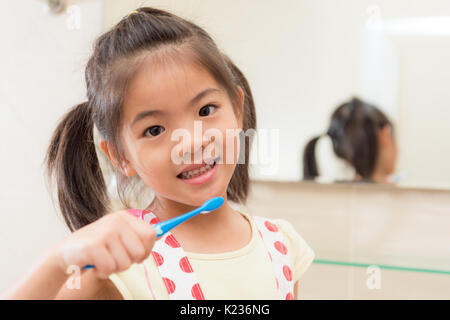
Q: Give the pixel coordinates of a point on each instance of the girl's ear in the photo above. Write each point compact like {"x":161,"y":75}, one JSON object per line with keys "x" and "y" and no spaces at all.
{"x":126,"y":168}
{"x":241,"y":106}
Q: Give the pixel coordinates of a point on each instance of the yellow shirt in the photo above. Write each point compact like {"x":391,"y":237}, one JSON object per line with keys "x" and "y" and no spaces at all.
{"x":243,"y":274}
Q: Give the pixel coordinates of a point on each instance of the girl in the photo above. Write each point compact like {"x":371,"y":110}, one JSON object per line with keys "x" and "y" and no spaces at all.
{"x":151,"y":74}
{"x":362,"y":136}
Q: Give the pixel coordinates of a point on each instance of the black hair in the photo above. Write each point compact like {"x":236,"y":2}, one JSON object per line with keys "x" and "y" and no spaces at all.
{"x":353,"y":130}
{"x":71,"y":158}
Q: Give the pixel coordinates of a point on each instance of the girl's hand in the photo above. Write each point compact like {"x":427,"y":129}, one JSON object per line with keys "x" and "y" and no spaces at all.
{"x":112,"y":243}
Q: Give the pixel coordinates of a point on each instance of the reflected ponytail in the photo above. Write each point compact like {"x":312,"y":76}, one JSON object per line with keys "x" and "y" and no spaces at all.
{"x":310,"y":170}
{"x":353,"y":130}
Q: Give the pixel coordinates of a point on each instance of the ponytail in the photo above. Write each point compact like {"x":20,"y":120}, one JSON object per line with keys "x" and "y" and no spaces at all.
{"x":71,"y":158}
{"x":310,"y":170}
{"x":72,"y":161}
{"x":353,"y":130}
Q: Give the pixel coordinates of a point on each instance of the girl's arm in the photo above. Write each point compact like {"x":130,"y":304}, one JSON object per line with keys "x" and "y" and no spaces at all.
{"x":296,"y":291}
{"x":46,"y":281}
{"x":42,"y":281}
{"x":91,"y":288}
{"x":112,"y":243}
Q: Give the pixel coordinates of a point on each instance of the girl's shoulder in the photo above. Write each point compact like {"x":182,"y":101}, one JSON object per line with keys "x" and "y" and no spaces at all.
{"x":298,"y":249}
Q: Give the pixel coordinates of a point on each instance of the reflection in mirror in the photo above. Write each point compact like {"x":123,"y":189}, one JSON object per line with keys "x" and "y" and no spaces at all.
{"x":390,"y":54}
{"x":359,"y":145}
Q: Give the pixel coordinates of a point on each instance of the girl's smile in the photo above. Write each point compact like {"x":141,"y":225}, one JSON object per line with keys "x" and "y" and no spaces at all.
{"x":163,"y":99}
{"x":201,"y":175}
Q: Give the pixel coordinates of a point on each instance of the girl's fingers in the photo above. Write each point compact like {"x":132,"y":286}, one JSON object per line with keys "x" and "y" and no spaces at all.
{"x":144,"y":230}
{"x":119,"y":253}
{"x":135,"y":248}
{"x":103,"y":261}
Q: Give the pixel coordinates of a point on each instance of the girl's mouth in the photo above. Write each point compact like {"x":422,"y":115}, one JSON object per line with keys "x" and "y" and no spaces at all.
{"x":199,"y":176}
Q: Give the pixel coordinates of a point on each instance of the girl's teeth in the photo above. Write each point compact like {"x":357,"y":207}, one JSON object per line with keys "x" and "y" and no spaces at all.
{"x":196,"y":172}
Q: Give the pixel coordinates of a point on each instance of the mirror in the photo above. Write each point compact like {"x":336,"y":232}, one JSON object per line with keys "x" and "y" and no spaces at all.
{"x":392,"y":55}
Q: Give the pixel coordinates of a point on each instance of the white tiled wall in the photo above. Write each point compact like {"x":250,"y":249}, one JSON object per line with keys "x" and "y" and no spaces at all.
{"x":365,"y":224}
{"x":42,"y":64}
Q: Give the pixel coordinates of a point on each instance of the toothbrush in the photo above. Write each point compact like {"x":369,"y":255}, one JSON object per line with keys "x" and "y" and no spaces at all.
{"x":210,"y":205}
{"x":162,"y":227}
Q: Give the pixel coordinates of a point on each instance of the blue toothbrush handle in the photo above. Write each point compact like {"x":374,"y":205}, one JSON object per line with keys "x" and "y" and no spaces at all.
{"x":88,"y":266}
{"x":162,"y":227}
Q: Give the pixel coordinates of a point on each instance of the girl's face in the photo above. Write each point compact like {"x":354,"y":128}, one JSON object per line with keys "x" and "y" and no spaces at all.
{"x":388,"y":150}
{"x":180,"y":95}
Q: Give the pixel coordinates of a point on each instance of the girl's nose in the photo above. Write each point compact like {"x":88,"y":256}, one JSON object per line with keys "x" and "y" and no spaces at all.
{"x":195,"y":145}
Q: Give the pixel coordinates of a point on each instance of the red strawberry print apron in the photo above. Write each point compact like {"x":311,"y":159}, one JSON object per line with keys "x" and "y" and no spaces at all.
{"x":179,"y":277}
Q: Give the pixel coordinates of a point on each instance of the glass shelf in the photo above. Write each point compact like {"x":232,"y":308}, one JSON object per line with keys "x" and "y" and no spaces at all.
{"x":381,"y":266}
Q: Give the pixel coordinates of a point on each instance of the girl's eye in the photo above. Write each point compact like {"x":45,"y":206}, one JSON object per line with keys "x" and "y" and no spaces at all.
{"x":203,"y":111}
{"x":155,"y":130}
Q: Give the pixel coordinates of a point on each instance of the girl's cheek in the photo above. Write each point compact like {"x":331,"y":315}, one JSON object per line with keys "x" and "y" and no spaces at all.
{"x":150,"y":161}
{"x":231,"y":132}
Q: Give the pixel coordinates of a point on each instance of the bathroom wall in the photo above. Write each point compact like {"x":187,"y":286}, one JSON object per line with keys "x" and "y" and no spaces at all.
{"x":398,"y":230}
{"x":317,"y":49}
{"x":42,"y":61}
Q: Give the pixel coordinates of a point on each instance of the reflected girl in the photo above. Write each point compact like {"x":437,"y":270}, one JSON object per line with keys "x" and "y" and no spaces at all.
{"x":362,"y":136}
